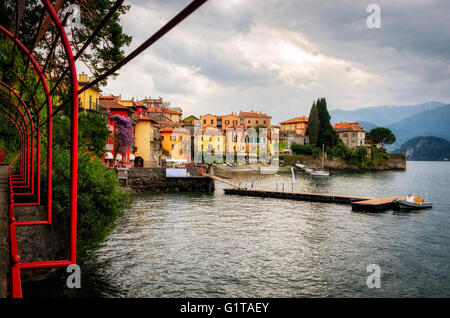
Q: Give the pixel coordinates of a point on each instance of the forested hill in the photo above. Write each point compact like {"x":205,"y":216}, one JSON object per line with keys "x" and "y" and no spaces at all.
{"x":426,"y":149}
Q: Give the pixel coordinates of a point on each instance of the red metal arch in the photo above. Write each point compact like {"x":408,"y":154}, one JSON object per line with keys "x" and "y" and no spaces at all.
{"x":31,"y":133}
{"x":27,"y":134}
{"x":61,"y":35}
{"x":21,"y":178}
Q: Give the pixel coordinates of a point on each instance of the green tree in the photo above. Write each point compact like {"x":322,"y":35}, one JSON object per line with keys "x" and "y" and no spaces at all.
{"x":326,"y":134}
{"x":313,"y":125}
{"x":381,"y":135}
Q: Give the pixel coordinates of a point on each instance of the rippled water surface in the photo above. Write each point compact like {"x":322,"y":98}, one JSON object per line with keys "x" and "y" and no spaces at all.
{"x":217,"y":245}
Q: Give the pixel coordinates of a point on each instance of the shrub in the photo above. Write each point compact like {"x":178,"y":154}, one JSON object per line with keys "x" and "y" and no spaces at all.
{"x":100,"y":198}
{"x":302,"y":149}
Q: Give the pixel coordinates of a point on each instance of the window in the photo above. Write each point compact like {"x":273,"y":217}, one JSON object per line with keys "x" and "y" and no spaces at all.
{"x":212,"y":121}
{"x":204,"y":121}
{"x":353,"y":135}
{"x":265,"y":122}
{"x":173,"y":138}
{"x":173,"y":146}
{"x":227,"y":122}
{"x":345,"y":135}
{"x":249,"y":121}
{"x":256,"y":121}
{"x":90,"y":101}
{"x":234,"y":122}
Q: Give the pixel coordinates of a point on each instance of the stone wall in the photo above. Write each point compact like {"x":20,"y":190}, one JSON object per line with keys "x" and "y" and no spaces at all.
{"x":144,"y":180}
{"x":393,"y":162}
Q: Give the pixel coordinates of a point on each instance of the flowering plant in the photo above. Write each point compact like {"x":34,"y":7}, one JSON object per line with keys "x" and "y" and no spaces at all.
{"x":124,"y":134}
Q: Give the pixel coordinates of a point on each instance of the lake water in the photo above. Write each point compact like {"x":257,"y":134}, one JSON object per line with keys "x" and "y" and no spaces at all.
{"x":217,"y":245}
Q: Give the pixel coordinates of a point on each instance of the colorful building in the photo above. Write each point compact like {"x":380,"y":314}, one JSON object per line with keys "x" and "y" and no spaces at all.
{"x":147,"y":143}
{"x":254,"y":119}
{"x":89,"y":99}
{"x":295,"y":125}
{"x":351,"y":134}
{"x":113,"y":155}
{"x":176,"y":142}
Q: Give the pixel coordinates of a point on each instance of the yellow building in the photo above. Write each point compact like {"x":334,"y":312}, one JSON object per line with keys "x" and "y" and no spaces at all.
{"x":295,"y":125}
{"x":176,"y":142}
{"x":89,"y":99}
{"x":147,"y":142}
{"x":211,"y":140}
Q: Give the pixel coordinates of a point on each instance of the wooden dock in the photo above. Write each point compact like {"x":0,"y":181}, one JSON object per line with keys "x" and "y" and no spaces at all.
{"x":357,"y":203}
{"x":301,"y":196}
{"x":375,"y":205}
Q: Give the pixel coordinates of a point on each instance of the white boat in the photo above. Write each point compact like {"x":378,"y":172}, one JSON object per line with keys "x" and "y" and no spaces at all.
{"x":413,"y":203}
{"x":321,"y":173}
{"x":300,"y":166}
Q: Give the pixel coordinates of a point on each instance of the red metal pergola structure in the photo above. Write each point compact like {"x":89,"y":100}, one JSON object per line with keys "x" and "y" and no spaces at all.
{"x":19,"y":106}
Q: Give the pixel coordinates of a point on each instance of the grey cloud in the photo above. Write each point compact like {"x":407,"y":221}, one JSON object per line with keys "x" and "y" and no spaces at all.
{"x":408,"y":57}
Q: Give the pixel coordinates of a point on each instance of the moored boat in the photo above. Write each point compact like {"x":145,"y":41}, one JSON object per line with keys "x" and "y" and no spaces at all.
{"x":413,"y":203}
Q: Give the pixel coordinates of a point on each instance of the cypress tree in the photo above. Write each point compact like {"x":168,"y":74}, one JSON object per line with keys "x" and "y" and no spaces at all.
{"x":326,"y":134}
{"x":313,"y":124}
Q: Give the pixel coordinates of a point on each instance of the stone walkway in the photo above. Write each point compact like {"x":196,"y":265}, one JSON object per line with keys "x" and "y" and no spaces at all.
{"x":3,"y":229}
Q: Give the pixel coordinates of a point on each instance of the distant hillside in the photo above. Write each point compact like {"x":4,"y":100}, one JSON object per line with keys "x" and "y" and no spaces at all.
{"x":367,"y":126}
{"x":426,"y":149}
{"x":381,"y":115}
{"x":434,"y":122}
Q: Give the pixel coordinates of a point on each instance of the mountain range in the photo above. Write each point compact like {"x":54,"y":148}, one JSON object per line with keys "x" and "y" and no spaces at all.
{"x":381,"y":115}
{"x":406,"y":122}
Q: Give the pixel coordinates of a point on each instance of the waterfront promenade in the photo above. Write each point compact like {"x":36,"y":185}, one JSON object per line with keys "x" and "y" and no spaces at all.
{"x":3,"y":229}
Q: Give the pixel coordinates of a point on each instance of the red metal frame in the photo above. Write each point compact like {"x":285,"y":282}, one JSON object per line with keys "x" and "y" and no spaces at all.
{"x":27,"y":132}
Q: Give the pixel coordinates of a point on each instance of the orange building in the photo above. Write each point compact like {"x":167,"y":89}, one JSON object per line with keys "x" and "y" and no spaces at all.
{"x":176,"y":142}
{"x":295,"y":125}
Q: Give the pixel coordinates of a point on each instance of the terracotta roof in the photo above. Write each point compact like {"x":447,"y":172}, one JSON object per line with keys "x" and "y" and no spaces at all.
{"x":302,"y":119}
{"x":252,"y":114}
{"x":107,"y":97}
{"x":162,"y":110}
{"x":166,"y":129}
{"x":111,"y":104}
{"x":348,"y":127}
{"x":169,"y":129}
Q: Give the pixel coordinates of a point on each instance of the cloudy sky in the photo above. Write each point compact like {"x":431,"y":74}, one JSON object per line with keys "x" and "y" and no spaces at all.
{"x":277,"y":56}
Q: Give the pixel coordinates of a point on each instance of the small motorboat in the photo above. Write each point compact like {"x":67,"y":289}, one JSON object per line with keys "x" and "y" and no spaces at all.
{"x":413,"y":203}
